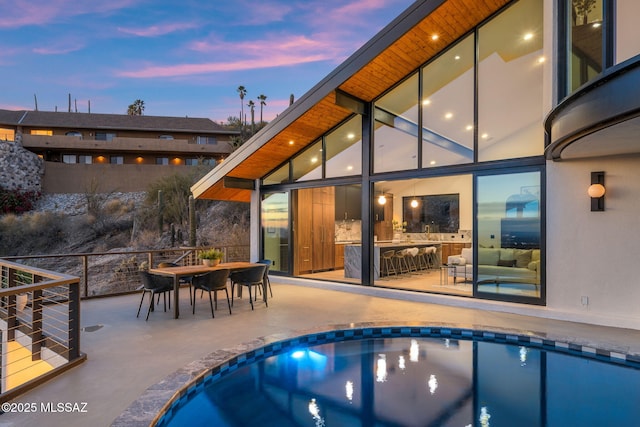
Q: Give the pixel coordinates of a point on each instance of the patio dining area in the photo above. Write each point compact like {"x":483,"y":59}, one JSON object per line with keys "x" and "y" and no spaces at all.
{"x":128,"y":355}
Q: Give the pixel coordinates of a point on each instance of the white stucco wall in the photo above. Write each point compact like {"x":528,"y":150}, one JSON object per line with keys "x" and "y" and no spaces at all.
{"x":594,"y":254}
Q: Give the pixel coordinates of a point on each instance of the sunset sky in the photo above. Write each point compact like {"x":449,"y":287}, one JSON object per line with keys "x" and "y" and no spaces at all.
{"x":181,"y":57}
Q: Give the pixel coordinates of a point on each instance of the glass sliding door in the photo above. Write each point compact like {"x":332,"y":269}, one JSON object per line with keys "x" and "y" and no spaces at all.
{"x":275,"y":230}
{"x":509,"y":235}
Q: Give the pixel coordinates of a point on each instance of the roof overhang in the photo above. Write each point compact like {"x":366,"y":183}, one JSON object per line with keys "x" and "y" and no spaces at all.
{"x":600,"y":119}
{"x":399,"y":49}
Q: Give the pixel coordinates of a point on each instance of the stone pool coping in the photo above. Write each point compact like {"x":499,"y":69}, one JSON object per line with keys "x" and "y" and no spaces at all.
{"x":158,"y":399}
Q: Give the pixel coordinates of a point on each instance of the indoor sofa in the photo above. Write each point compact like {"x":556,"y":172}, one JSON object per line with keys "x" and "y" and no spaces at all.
{"x":497,"y":265}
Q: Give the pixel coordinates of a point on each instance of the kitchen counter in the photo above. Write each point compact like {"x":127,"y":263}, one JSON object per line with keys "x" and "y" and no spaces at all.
{"x":353,"y":255}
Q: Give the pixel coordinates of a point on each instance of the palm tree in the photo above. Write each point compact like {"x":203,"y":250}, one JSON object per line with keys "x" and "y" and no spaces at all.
{"x":252,"y":106}
{"x":262,"y":99}
{"x":242,"y":91}
{"x":137,"y":108}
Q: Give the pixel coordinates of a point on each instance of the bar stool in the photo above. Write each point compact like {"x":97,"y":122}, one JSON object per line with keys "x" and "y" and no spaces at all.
{"x":410,"y":257}
{"x":423,"y":264}
{"x":387,"y":263}
{"x":432,"y":256}
{"x":401,"y":261}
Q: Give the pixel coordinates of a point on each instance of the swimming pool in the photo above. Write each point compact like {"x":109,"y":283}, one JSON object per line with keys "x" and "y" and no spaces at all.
{"x":410,"y":376}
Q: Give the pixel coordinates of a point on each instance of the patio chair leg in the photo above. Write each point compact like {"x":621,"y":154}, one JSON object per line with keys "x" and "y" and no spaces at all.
{"x":211,"y":304}
{"x":228,"y":302}
{"x":141,"y":300}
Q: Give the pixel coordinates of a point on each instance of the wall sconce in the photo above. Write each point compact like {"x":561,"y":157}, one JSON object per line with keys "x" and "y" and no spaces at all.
{"x":596,"y":191}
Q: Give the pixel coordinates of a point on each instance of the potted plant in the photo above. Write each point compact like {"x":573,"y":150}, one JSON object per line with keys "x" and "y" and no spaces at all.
{"x":211,"y":257}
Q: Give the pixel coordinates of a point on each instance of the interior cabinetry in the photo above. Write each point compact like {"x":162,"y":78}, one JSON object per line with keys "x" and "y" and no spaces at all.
{"x":453,"y":248}
{"x":314,"y":229}
{"x":383,"y":218}
{"x":348,"y":202}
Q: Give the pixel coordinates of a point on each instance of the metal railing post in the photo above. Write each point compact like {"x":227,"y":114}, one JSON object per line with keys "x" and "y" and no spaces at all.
{"x":36,"y":326}
{"x":74,"y":321}
{"x":85,"y":274}
{"x":12,"y":320}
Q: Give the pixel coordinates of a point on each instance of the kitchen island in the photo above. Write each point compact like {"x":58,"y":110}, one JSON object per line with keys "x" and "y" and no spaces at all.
{"x":353,"y":255}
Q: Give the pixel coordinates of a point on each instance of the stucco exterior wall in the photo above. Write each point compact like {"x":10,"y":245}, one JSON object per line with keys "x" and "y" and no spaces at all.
{"x":593,"y":257}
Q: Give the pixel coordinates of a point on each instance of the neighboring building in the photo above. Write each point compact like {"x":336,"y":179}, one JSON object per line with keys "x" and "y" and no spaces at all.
{"x":116,"y":152}
{"x":474,"y":128}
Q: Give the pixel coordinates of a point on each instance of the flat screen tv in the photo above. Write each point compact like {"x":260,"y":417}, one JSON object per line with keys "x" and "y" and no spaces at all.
{"x":437,"y":213}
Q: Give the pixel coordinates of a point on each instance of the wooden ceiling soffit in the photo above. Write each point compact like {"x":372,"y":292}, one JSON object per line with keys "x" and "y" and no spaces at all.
{"x":450,"y":21}
{"x":305,"y":130}
{"x":218,"y":191}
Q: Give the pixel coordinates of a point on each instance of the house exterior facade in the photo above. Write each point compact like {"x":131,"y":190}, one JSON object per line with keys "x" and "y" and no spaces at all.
{"x":471,"y":131}
{"x":115,"y":152}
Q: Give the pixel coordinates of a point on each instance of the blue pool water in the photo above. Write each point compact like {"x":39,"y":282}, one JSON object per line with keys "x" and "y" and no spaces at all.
{"x":415,"y":381}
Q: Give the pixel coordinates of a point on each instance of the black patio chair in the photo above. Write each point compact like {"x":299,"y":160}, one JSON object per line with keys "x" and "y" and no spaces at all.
{"x":267,"y":282}
{"x":214,"y":281}
{"x":250,"y":277}
{"x":154,"y":284}
{"x":185,"y":280}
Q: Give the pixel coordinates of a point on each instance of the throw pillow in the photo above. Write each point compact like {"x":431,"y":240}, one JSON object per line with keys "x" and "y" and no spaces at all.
{"x":523,"y":258}
{"x":507,"y":263}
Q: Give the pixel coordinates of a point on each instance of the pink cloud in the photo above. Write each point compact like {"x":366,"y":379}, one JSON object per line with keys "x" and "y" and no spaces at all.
{"x":58,"y":49}
{"x":20,"y":13}
{"x":158,"y":30}
{"x":214,"y":67}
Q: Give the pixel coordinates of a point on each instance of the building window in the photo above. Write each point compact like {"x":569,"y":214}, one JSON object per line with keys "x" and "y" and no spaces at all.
{"x":308,"y":164}
{"x":7,"y":134}
{"x":162,"y":160}
{"x":206,"y":140}
{"x":85,"y":159}
{"x":105,"y":136}
{"x":448,"y":107}
{"x":343,"y":149}
{"x":69,"y":158}
{"x":510,"y":83}
{"x":168,"y":137}
{"x":116,"y":160}
{"x":395,"y":144}
{"x":191,"y":162}
{"x":509,"y":234}
{"x":279,"y":176}
{"x":275,"y":230}
{"x":41,"y":132}
{"x":74,"y":134}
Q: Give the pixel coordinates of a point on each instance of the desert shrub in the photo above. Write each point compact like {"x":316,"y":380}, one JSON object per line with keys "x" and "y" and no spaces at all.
{"x":17,"y":201}
{"x":35,"y":232}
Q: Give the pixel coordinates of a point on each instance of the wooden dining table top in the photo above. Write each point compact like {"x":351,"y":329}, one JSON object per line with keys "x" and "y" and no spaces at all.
{"x":201,"y":268}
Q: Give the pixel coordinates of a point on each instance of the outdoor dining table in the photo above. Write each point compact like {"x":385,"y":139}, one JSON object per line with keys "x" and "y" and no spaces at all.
{"x":192,"y":270}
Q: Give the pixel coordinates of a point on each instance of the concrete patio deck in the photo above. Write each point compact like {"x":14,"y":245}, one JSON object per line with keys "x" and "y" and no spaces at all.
{"x":127,"y":355}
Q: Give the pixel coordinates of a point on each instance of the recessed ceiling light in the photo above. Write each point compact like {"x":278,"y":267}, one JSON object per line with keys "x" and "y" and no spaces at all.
{"x":541,"y":60}
{"x":314,"y":160}
{"x":290,"y":142}
{"x":457,"y":57}
{"x":426,"y":102}
{"x":434,"y":37}
{"x":528,"y":36}
{"x":351,"y":135}
{"x":485,"y":135}
{"x":432,"y":162}
{"x":469,"y":127}
{"x":596,"y":24}
{"x":448,"y":116}
{"x":349,"y":168}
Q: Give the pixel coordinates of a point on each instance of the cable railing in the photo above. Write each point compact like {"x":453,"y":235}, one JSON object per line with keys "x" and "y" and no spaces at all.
{"x":39,"y":326}
{"x":116,"y":272}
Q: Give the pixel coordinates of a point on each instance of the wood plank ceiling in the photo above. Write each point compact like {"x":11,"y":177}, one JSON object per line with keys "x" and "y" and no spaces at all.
{"x":449,"y":22}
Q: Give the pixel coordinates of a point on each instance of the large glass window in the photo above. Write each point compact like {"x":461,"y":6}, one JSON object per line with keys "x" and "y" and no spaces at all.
{"x":275,"y":230}
{"x":447,"y":107}
{"x":395,"y":143}
{"x":510,"y":76}
{"x":278,"y":176}
{"x":344,"y":149}
{"x":584,"y":41}
{"x":509,"y":234}
{"x":7,"y":134}
{"x":308,"y":164}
